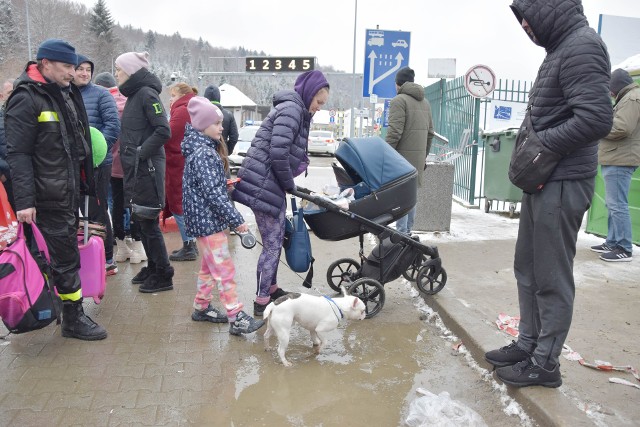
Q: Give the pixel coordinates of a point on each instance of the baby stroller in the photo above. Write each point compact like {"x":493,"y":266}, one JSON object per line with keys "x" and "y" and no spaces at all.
{"x":384,"y":184}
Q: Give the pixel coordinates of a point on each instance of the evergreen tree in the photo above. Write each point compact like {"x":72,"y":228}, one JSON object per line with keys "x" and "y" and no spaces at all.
{"x":9,"y":36}
{"x":150,"y":41}
{"x":100,"y":21}
{"x":185,"y":58}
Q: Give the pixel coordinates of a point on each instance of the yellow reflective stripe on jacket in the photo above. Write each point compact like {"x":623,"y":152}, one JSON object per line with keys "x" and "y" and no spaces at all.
{"x":48,"y":116}
{"x":76,"y":296}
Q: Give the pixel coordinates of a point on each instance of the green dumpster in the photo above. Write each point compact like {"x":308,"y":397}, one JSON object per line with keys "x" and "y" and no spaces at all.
{"x":598,"y":214}
{"x":498,"y":146}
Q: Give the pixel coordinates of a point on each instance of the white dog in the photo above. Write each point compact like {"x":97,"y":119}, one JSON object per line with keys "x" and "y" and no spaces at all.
{"x":317,"y":314}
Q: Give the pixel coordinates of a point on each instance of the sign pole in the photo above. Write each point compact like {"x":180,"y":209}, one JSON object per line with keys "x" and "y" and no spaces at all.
{"x":353,"y":92}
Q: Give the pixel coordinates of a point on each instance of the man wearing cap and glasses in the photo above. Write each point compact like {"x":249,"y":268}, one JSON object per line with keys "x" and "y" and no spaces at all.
{"x":49,"y":151}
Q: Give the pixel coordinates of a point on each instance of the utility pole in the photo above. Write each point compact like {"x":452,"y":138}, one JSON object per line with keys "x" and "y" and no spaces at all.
{"x":353,"y":93}
{"x":28,"y":30}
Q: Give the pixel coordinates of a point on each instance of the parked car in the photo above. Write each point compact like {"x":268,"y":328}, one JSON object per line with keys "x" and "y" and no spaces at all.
{"x":245,"y":136}
{"x":322,"y":142}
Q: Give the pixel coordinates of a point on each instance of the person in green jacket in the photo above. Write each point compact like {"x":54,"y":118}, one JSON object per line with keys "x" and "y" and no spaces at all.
{"x":619,"y":157}
{"x":410,"y":130}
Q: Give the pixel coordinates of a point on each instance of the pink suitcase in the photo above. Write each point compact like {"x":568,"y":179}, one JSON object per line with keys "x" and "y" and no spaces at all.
{"x":92,"y":271}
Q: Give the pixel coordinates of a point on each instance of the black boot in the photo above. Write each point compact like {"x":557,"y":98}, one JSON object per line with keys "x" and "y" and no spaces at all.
{"x":76,"y":324}
{"x":189,"y":252}
{"x":161,"y":280}
{"x":142,"y":275}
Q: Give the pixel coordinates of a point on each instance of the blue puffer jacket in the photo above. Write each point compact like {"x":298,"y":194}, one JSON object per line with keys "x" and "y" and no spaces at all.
{"x":103,"y":115}
{"x":206,"y":206}
{"x":278,"y":153}
{"x":570,"y":105}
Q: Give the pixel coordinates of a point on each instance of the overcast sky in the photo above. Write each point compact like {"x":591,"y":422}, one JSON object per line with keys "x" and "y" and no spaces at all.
{"x":471,"y":31}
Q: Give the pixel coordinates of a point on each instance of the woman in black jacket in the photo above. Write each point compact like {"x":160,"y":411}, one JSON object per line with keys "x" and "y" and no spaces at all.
{"x":145,"y":130}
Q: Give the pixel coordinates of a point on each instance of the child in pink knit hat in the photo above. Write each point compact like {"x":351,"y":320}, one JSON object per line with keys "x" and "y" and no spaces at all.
{"x":208,"y":212}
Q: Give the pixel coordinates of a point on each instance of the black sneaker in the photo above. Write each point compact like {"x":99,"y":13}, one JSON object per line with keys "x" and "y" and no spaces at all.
{"x":507,"y":355}
{"x":258,"y":309}
{"x":160,"y":280}
{"x":617,"y":255}
{"x":209,"y":314}
{"x":528,"y":373}
{"x":601,"y":249}
{"x":142,"y":275}
{"x":278,"y":293}
{"x":244,"y":324}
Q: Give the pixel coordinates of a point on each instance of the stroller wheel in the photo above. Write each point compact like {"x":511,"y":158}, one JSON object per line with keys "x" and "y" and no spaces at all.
{"x":416,"y":265}
{"x":371,"y":292}
{"x":431,"y":278}
{"x":342,"y":272}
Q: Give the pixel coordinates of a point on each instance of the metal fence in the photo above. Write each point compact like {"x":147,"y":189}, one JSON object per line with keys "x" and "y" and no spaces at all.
{"x":456,"y":116}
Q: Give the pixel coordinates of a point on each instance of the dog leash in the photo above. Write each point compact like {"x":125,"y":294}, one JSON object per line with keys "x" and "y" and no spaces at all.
{"x":334,"y":312}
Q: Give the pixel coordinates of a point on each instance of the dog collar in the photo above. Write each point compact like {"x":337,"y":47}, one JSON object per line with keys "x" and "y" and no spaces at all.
{"x":334,"y":312}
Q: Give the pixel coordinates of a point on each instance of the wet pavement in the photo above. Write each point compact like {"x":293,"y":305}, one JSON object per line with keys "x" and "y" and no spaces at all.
{"x":158,"y":367}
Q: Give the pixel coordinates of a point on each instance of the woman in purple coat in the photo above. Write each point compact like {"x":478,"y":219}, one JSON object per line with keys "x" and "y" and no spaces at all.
{"x":278,"y":153}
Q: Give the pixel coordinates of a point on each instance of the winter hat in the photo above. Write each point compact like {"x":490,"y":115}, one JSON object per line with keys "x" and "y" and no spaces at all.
{"x":619,"y":79}
{"x":212,"y":93}
{"x":57,"y":50}
{"x":404,"y":75}
{"x":131,"y":62}
{"x":308,"y":84}
{"x":105,"y":80}
{"x":82,"y":59}
{"x":203,"y":113}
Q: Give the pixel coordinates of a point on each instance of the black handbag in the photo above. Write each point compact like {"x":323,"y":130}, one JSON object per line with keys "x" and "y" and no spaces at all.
{"x":141,"y":211}
{"x":532,"y":163}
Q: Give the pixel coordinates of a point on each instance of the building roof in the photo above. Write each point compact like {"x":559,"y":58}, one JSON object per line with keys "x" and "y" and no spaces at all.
{"x":231,"y":96}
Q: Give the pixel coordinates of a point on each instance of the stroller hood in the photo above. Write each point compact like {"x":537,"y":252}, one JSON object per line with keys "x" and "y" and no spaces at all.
{"x":372,"y":161}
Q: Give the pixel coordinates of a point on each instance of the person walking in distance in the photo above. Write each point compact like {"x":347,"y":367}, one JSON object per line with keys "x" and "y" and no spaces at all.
{"x":49,"y":151}
{"x":410,"y":131}
{"x":619,"y":157}
{"x":570,"y":112}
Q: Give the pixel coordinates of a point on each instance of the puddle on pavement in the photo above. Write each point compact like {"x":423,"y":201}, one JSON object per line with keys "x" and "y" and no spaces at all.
{"x":361,"y":378}
{"x":367,"y":375}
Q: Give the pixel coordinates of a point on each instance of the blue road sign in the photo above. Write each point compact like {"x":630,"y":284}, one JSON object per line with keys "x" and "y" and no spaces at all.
{"x":385,"y":115}
{"x":502,"y":113}
{"x":385,"y":53}
{"x":332,"y":119}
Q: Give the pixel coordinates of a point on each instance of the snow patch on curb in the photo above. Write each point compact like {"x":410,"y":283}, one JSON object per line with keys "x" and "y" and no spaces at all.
{"x":509,"y":405}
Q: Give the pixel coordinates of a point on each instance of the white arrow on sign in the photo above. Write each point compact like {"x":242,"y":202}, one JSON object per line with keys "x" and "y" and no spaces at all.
{"x":372,"y":60}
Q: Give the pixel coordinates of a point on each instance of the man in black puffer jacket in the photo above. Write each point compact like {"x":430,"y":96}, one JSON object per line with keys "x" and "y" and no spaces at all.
{"x":49,"y":152}
{"x":570,"y":111}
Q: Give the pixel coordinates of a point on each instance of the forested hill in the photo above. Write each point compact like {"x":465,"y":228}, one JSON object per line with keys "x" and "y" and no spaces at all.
{"x":95,"y":34}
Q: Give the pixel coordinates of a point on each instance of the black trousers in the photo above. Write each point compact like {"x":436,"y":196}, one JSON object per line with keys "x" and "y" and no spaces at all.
{"x":543,"y":265}
{"x":153,"y":242}
{"x":60,"y":231}
{"x":98,"y":207}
